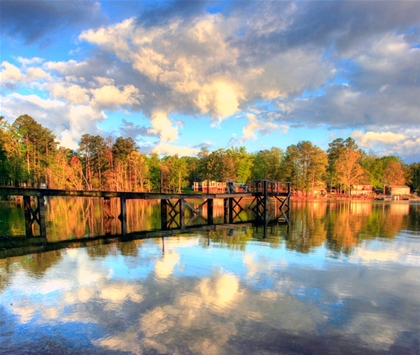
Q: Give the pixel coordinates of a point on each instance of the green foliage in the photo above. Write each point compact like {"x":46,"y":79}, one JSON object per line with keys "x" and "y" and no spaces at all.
{"x":412,"y":175}
{"x":38,"y":146}
{"x":267,"y":164}
{"x":28,"y":153}
{"x":305,"y":166}
{"x":12,"y":164}
{"x":155,"y":171}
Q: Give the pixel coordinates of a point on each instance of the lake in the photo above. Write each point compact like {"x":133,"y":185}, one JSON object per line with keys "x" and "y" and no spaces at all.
{"x":341,"y":278}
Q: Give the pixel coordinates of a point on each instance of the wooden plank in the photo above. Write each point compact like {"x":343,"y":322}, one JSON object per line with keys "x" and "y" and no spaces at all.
{"x":18,"y":191}
{"x":28,"y":216}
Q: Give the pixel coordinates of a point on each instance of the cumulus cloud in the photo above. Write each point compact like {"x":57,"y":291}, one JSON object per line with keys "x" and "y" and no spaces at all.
{"x":10,"y":73}
{"x":399,"y":141}
{"x":162,"y":126}
{"x":357,"y":70}
{"x":111,"y":97}
{"x":367,"y":139}
{"x":264,"y":128}
{"x":163,"y":148}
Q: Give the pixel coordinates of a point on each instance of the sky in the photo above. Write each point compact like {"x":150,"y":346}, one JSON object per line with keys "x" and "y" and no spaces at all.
{"x":178,"y":75}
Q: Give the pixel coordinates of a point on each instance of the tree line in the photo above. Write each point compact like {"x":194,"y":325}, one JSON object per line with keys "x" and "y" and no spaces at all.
{"x":31,"y":155}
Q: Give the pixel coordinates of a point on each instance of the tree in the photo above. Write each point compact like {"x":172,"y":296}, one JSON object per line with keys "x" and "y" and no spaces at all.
{"x":155,"y":172}
{"x":140,"y":171}
{"x":243,"y":163}
{"x":305,"y":166}
{"x":394,"y":173}
{"x":93,"y":151}
{"x":336,"y":148}
{"x":12,"y":164}
{"x":349,"y":171}
{"x":373,"y":166}
{"x":267,"y":165}
{"x":176,"y":173}
{"x":39,"y":147}
{"x":60,"y":172}
{"x":412,"y":175}
{"x":209,"y":165}
{"x":292,"y":168}
{"x":192,"y":164}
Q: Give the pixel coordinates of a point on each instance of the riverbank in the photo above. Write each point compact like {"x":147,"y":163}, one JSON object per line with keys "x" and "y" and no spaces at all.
{"x":354,"y":198}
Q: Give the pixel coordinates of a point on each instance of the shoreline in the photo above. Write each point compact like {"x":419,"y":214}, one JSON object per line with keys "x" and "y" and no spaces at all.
{"x":351,"y":199}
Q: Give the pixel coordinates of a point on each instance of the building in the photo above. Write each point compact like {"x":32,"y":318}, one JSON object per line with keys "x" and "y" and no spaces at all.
{"x":211,"y":186}
{"x":397,"y":190}
{"x":219,"y":187}
{"x":361,"y":190}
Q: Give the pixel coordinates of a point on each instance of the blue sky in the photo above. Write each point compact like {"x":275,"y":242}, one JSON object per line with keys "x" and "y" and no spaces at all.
{"x":181,"y":75}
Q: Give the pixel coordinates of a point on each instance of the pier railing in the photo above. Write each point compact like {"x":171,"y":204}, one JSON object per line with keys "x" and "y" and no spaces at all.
{"x":173,"y":206}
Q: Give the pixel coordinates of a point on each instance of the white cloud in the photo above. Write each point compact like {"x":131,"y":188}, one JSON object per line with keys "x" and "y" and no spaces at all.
{"x":37,"y":74}
{"x":112,"y":38}
{"x":37,"y":101}
{"x":29,"y":61}
{"x":10,"y":73}
{"x":162,"y":125}
{"x":163,"y":148}
{"x":221,"y":64}
{"x":253,"y":125}
{"x":203,"y":71}
{"x":401,"y":141}
{"x":74,"y":94}
{"x":110,"y":97}
{"x":368,"y":139}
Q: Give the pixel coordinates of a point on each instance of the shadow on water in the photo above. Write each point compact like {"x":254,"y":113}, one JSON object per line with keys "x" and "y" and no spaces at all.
{"x":81,"y":222}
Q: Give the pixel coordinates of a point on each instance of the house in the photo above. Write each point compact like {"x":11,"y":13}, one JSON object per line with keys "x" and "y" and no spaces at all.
{"x":397,"y":190}
{"x":210,"y":186}
{"x":361,"y":190}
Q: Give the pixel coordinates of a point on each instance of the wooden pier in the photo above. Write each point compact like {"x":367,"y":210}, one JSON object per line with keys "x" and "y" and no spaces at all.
{"x":173,"y":206}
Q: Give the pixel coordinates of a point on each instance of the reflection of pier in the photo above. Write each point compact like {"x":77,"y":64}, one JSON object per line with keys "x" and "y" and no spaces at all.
{"x":24,"y":246}
{"x":265,"y":195}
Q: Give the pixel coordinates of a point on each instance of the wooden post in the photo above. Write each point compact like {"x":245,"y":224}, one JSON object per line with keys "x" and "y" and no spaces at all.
{"x":42,"y":216}
{"x":181,"y":213}
{"x":28,"y":216}
{"x":230,"y":209}
{"x":265,"y":200}
{"x":123,"y":215}
{"x":210,"y":211}
{"x":163,"y":213}
{"x":225,"y":210}
{"x":107,"y":215}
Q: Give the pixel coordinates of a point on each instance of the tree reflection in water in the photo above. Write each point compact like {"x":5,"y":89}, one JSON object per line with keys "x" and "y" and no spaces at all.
{"x":340,"y":276}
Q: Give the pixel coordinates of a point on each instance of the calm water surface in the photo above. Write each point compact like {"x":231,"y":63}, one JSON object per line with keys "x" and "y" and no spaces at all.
{"x":340,"y":279}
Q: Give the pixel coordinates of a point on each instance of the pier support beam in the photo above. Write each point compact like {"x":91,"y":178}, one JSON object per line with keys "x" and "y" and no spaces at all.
{"x":210,"y":211}
{"x":38,"y":215}
{"x":123,"y":215}
{"x":42,"y":221}
{"x":108,"y":217}
{"x":28,"y":216}
{"x":164,"y":214}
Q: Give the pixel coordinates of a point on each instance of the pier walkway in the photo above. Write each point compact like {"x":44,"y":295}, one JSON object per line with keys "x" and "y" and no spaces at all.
{"x":172,"y":205}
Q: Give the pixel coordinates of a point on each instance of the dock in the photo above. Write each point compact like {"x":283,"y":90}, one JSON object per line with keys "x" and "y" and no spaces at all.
{"x":172,"y":205}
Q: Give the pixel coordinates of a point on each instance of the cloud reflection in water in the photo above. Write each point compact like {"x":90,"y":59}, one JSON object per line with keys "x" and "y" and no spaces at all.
{"x":258,"y":299}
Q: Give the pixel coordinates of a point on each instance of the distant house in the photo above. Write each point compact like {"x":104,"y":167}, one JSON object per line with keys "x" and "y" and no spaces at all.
{"x":219,"y":186}
{"x":213,"y":186}
{"x":361,"y":190}
{"x":397,"y":190}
